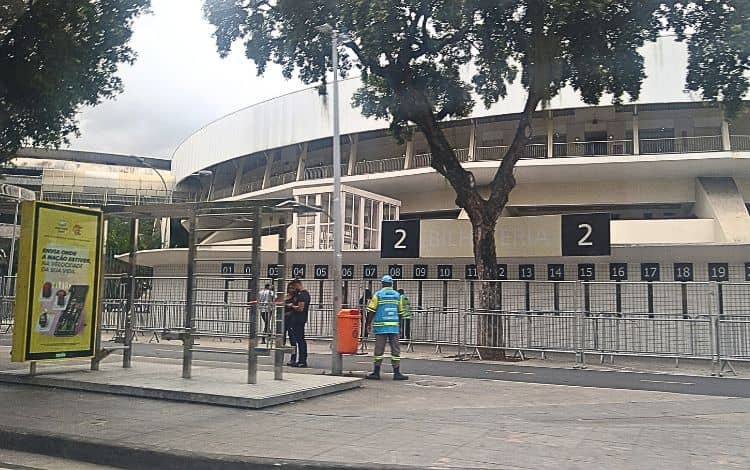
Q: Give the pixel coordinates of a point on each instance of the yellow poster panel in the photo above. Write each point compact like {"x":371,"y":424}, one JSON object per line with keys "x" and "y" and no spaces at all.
{"x":58,"y":282}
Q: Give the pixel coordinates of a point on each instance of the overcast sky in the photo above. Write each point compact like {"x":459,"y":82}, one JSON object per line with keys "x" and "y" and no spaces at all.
{"x":177,"y":85}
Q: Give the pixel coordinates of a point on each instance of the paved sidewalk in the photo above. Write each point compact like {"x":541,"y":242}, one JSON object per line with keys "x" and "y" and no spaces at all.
{"x":426,"y":422}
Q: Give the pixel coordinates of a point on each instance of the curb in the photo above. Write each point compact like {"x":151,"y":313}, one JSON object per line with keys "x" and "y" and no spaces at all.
{"x":138,"y":457}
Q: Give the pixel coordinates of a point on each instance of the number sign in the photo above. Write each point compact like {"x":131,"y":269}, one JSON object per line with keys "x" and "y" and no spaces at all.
{"x":298,"y":271}
{"x":526,"y":272}
{"x":618,"y":271}
{"x":650,"y":272}
{"x":227,"y":268}
{"x":683,"y":272}
{"x":585,"y":235}
{"x":420,"y":271}
{"x":272,"y":271}
{"x":396,"y":271}
{"x":747,"y":271}
{"x":470,"y":271}
{"x":718,"y":272}
{"x":586,"y":272}
{"x":370,"y":271}
{"x":445,"y":271}
{"x":347,"y":271}
{"x":248,"y":269}
{"x":555,"y":272}
{"x":399,"y":239}
{"x":321,"y":271}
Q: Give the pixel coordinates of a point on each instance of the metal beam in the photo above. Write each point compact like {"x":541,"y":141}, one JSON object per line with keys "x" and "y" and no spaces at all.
{"x":252,"y":344}
{"x":187,"y":341}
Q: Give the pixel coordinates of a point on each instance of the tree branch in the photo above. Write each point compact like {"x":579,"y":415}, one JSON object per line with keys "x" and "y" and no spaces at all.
{"x":504,"y":181}
{"x":444,"y":159}
{"x":374,"y":67}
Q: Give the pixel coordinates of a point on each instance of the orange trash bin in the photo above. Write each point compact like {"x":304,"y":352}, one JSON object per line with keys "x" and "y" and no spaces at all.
{"x":347,"y":330}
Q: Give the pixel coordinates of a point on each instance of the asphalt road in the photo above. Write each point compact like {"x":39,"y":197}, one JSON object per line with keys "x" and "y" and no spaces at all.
{"x":694,"y":385}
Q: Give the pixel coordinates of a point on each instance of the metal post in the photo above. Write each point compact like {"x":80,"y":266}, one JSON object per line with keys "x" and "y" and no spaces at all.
{"x":278,"y":353}
{"x":252,"y":356}
{"x":579,"y":327}
{"x":12,"y":255}
{"x":127,"y":353}
{"x":187,"y":341}
{"x":98,"y":339}
{"x":714,"y":329}
{"x":338,"y":228}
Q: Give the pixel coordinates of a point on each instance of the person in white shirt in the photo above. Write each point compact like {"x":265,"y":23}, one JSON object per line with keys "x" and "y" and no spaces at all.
{"x":265,"y":306}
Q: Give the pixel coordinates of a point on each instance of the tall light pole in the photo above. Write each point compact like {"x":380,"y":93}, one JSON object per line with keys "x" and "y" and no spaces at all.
{"x":338,"y":226}
{"x":165,"y":220}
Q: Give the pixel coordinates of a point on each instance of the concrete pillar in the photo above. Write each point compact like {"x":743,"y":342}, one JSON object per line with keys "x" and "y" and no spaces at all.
{"x":550,"y":135}
{"x":301,"y":160}
{"x":361,"y":230}
{"x":267,"y":173}
{"x":473,"y":141}
{"x":726,"y":141}
{"x":240,"y":167}
{"x":409,"y":157}
{"x":353,"y":144}
{"x":720,"y":199}
{"x":636,"y":136}
{"x":211,"y":185}
{"x":165,"y":231}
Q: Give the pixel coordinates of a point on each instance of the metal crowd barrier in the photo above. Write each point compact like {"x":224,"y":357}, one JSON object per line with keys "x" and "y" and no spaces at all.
{"x":7,"y":302}
{"x":697,"y":320}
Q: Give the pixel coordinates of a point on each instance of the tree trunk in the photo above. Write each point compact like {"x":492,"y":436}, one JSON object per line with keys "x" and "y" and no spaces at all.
{"x":483,"y":213}
{"x":490,"y":339}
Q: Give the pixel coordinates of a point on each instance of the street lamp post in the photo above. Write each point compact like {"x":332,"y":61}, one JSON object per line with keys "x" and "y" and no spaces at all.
{"x":165,"y":220}
{"x":338,"y":229}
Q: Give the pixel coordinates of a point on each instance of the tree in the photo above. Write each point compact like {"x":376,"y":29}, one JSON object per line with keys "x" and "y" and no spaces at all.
{"x":118,"y":235}
{"x":411,"y":53}
{"x":54,"y":58}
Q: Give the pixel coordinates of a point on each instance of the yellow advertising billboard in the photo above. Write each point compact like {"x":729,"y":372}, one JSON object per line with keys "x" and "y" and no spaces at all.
{"x":58,"y":282}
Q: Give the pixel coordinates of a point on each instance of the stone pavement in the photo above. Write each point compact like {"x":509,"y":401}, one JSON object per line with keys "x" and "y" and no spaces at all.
{"x":12,"y":460}
{"x":427,"y":422}
{"x":209,"y":385}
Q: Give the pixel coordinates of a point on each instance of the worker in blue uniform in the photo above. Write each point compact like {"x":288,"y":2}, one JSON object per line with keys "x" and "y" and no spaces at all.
{"x":384,"y":314}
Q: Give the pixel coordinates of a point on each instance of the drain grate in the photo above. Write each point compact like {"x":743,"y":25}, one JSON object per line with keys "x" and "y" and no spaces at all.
{"x":435,"y":384}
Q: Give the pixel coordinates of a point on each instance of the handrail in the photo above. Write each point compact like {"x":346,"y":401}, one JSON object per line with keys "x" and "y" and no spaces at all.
{"x":379,"y":166}
{"x":610,"y":147}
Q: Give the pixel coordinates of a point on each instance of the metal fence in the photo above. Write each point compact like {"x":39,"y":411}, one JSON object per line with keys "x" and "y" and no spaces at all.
{"x":697,"y":320}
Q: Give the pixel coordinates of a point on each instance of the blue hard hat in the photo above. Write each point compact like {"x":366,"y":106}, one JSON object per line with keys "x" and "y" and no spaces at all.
{"x":387,"y":279}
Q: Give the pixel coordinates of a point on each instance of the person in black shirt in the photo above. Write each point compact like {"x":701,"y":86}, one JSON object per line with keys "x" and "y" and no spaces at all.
{"x":288,"y":310}
{"x":300,"y":306}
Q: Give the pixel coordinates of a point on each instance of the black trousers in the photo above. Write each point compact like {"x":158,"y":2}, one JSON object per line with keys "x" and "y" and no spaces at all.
{"x":297,"y":337}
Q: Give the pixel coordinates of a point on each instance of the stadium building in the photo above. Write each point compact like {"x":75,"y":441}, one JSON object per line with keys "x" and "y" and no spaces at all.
{"x":672,"y":171}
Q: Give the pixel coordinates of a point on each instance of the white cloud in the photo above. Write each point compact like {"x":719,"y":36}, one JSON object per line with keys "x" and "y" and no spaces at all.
{"x":177,"y":85}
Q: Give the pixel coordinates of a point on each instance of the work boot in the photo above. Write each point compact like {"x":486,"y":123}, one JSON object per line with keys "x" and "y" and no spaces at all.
{"x":293,"y":361}
{"x":375,"y":374}
{"x":397,"y":375}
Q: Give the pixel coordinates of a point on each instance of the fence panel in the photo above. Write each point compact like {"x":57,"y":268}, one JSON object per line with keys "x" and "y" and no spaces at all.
{"x":734,"y":321}
{"x":656,"y":319}
{"x":7,"y":302}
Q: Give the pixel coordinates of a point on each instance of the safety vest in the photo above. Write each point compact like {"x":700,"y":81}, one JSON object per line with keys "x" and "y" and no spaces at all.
{"x":386,"y":303}
{"x":405,"y":308}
